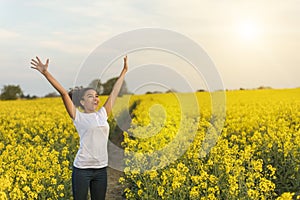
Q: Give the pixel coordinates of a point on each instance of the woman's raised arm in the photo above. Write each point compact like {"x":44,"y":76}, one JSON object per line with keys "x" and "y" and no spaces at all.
{"x":43,"y":69}
{"x":116,"y":89}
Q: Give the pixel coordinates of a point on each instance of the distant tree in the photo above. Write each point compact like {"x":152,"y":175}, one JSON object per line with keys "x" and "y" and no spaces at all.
{"x":264,"y":88}
{"x":97,"y":85}
{"x":108,"y":86}
{"x":28,"y":96}
{"x":155,"y":92}
{"x":171,"y":91}
{"x":52,"y":94}
{"x":11,"y":92}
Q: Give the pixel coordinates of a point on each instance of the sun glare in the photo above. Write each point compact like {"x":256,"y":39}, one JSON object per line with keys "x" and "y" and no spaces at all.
{"x":248,"y":30}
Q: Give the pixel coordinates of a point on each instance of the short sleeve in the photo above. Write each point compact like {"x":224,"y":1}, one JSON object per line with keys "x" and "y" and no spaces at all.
{"x":102,"y":112}
{"x":77,"y":114}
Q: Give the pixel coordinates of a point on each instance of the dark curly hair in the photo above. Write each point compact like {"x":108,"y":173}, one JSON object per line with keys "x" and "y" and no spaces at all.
{"x":77,"y":93}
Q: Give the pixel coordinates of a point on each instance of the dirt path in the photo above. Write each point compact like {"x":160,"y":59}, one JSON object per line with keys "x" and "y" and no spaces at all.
{"x":114,"y":172}
{"x":114,"y":188}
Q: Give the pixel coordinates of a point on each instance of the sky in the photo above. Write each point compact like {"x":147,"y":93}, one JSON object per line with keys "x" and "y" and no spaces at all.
{"x":250,"y":43}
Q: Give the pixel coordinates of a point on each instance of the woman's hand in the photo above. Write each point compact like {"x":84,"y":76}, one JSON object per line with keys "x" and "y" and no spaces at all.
{"x":38,"y":65}
{"x":43,"y":68}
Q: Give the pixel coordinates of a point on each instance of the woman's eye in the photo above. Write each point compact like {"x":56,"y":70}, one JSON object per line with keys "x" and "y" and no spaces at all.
{"x":96,"y":96}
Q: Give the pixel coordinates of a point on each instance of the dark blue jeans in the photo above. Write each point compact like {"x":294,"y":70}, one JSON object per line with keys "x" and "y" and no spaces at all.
{"x":83,"y":179}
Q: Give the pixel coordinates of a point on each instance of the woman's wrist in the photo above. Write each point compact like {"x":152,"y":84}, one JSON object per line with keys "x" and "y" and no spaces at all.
{"x":45,"y":73}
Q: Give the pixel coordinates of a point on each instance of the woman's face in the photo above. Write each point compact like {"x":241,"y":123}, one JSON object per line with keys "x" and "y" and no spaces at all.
{"x":90,"y":101}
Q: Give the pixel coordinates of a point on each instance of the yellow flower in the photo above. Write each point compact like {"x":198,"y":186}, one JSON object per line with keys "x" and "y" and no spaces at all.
{"x":60,"y":187}
{"x":53,"y":181}
{"x":176,"y":185}
{"x":266,"y":185}
{"x":272,"y":169}
{"x":26,"y":189}
{"x":122,"y":180}
{"x":139,"y":183}
{"x":140,"y":192}
{"x":286,"y":196}
{"x":3,"y":196}
{"x":257,"y":165}
{"x":160,"y":191}
{"x":253,"y":194}
{"x":196,"y":179}
{"x":153,"y":174}
{"x":194,"y":193}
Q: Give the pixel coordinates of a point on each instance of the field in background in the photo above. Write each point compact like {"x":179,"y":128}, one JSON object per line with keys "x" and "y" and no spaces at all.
{"x":257,"y":155}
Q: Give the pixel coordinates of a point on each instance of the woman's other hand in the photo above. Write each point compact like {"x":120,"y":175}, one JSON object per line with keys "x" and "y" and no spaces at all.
{"x":38,"y":65}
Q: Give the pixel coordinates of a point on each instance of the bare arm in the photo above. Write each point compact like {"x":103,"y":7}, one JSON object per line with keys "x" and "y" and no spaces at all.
{"x":43,"y":69}
{"x":116,"y":89}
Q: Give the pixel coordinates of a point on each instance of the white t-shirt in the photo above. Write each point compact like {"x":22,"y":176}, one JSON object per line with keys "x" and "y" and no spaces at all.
{"x":93,"y":130}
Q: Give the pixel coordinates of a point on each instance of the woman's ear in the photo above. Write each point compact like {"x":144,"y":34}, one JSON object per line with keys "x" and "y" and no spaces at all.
{"x":82,"y":102}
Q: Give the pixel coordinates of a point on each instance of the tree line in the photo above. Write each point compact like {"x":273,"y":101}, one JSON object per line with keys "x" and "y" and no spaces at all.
{"x":13,"y":92}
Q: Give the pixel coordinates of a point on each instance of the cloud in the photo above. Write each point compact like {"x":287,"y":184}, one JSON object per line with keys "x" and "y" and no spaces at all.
{"x":63,"y":46}
{"x":8,"y":34}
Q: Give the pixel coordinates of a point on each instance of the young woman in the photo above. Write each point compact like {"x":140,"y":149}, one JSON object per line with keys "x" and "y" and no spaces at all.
{"x":89,"y":167}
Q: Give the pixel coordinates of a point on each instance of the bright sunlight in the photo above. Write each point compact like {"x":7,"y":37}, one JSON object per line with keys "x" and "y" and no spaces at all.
{"x":248,"y":30}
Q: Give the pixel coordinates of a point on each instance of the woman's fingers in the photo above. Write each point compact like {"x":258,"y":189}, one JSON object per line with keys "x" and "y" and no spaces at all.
{"x":34,"y":64}
{"x":38,"y":59}
{"x":38,"y":62}
{"x":34,"y":61}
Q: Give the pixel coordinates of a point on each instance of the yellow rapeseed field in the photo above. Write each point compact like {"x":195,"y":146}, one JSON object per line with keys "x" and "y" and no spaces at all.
{"x":256,"y":156}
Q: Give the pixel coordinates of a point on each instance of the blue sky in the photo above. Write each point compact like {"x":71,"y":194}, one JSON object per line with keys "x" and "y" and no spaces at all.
{"x":252,"y":43}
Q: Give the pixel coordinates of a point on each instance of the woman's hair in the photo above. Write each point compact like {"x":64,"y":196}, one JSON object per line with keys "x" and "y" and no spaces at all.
{"x":77,"y":93}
